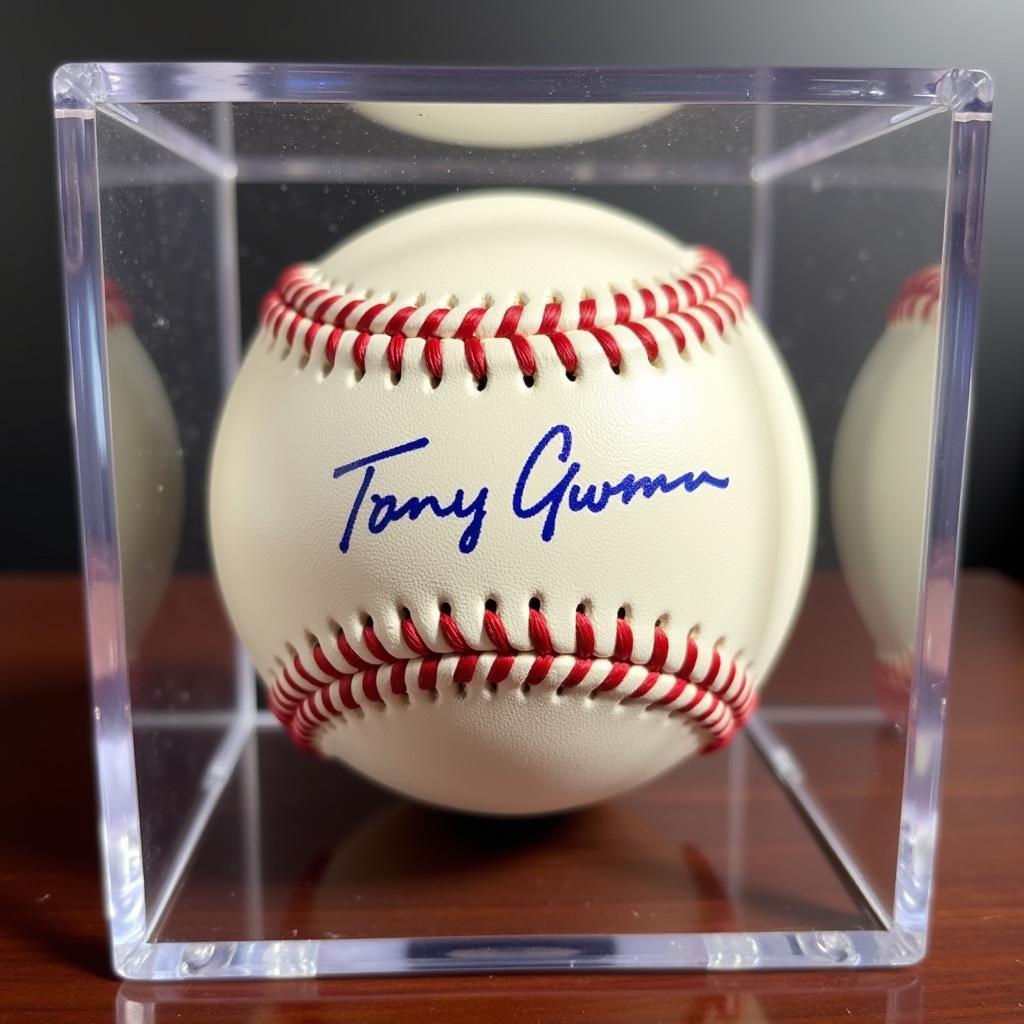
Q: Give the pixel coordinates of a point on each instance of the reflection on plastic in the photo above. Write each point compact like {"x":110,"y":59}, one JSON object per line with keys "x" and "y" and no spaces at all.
{"x":149,"y":476}
{"x":879,"y":484}
{"x":406,"y":853}
{"x":357,"y":882}
{"x":572,"y":999}
{"x":514,"y":125}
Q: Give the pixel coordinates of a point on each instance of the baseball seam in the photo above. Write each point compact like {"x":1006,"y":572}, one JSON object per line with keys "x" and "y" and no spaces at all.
{"x":708,"y":689}
{"x":918,"y":298}
{"x":117,"y":313}
{"x":301,"y":309}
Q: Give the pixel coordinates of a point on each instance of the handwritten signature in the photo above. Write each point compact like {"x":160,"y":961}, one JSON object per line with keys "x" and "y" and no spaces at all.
{"x":567,"y":494}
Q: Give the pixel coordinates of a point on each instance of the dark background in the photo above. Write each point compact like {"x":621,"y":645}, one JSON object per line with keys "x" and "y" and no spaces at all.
{"x":37,"y":513}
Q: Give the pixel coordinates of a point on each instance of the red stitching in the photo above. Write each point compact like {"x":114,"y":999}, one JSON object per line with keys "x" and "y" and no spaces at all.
{"x":475,"y":358}
{"x":540,"y":638}
{"x":118,"y":312}
{"x":397,"y":323}
{"x":324,"y":664}
{"x":374,"y":646}
{"x":359,"y":348}
{"x":720,"y":701}
{"x":510,"y":322}
{"x":470,"y":322}
{"x":433,"y":322}
{"x":464,"y":669}
{"x":565,"y":351}
{"x":346,"y":651}
{"x":918,"y":297}
{"x":428,"y":674}
{"x":396,"y":346}
{"x":413,"y":639}
{"x":500,"y":669}
{"x":370,"y":685}
{"x":659,"y":652}
{"x":524,"y":355}
{"x":331,"y":348}
{"x":623,"y":641}
{"x":398,"y":679}
{"x":451,"y":633}
{"x":710,"y":296}
{"x":551,"y":319}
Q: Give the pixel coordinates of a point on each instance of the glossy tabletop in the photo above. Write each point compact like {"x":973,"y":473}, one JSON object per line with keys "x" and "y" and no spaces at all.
{"x":53,"y":956}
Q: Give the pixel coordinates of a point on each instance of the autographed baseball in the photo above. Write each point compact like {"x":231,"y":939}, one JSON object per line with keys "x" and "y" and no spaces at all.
{"x":511,"y":502}
{"x":880,"y":481}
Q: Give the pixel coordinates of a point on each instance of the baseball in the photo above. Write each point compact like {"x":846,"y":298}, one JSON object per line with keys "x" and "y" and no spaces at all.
{"x":880,"y":480}
{"x":514,"y":125}
{"x":511,"y":502}
{"x":149,"y":476}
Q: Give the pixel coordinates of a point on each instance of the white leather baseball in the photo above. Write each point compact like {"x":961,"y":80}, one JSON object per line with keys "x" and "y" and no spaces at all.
{"x":880,"y":479}
{"x":514,"y":125}
{"x":149,"y":487}
{"x":507,"y":643}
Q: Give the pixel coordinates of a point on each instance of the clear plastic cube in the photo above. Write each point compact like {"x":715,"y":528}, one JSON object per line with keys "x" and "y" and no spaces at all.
{"x":809,"y":841}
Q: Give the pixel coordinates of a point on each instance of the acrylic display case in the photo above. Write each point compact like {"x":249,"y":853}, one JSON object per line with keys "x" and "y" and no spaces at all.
{"x":809,"y":841}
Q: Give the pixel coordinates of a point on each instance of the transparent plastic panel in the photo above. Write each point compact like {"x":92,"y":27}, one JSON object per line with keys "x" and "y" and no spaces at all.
{"x":186,"y":189}
{"x":169,"y":310}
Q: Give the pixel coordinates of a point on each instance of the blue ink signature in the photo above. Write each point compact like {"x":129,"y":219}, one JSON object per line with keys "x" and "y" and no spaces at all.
{"x":592,"y":497}
{"x":386,"y":508}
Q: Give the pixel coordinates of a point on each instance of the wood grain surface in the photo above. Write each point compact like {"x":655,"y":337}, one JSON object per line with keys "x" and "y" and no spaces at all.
{"x":53,"y":954}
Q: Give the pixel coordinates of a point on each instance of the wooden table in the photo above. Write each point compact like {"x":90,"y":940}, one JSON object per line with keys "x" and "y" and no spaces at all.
{"x":53,"y":957}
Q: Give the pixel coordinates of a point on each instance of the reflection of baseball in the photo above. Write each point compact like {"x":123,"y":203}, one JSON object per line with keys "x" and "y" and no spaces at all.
{"x":148,"y":472}
{"x":511,"y":502}
{"x":879,"y":482}
{"x":514,"y":125}
{"x":602,"y":871}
